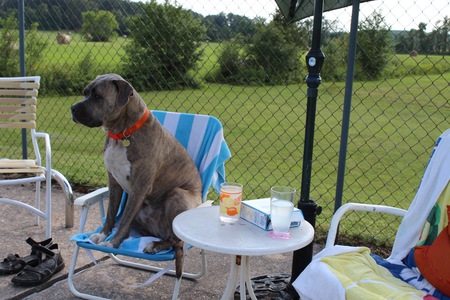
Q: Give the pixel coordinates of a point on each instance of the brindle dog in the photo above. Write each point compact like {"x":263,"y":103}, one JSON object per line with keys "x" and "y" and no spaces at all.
{"x":150,"y":165}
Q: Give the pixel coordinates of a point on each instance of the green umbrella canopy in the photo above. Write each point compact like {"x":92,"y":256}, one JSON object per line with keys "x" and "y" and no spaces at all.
{"x":294,"y":10}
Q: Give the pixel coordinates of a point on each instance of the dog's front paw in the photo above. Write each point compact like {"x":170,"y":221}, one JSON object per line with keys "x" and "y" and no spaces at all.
{"x":106,"y":244}
{"x":151,"y":248}
{"x":97,"y":238}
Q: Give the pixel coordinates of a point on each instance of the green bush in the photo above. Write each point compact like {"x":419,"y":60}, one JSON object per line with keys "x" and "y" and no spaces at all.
{"x":335,"y":64}
{"x":66,"y":80}
{"x":233,"y":67}
{"x":229,"y":59}
{"x":99,"y":26}
{"x":271,"y":58}
{"x":276,"y":53}
{"x":373,"y":48}
{"x":9,"y":47}
{"x":164,"y":48}
{"x":35,"y":46}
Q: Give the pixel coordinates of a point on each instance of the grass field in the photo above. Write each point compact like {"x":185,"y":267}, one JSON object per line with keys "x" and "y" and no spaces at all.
{"x":108,"y":57}
{"x":393,"y":125}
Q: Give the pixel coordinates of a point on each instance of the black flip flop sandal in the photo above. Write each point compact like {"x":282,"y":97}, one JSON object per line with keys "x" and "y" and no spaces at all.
{"x":50,"y":265}
{"x":13,"y":263}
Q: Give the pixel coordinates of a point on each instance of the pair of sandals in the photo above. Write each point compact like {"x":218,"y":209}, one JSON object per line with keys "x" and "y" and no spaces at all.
{"x":44,"y":261}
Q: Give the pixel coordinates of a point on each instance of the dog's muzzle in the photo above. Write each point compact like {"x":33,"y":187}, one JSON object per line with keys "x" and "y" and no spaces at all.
{"x":81,"y":115}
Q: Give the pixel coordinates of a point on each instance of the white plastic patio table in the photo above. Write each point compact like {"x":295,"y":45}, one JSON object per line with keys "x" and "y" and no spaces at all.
{"x":201,"y":227}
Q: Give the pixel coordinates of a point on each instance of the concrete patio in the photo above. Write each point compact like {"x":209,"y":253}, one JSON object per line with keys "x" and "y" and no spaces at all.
{"x":107,"y":279}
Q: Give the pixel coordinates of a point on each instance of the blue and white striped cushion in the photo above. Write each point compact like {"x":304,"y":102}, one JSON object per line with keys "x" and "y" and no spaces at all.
{"x":202,"y":136}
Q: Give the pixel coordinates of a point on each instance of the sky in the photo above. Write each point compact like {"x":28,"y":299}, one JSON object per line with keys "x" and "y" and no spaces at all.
{"x":399,"y":14}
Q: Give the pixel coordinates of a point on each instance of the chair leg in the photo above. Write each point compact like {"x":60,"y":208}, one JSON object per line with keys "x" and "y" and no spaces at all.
{"x":70,"y":279}
{"x":176,"y":289}
{"x":37,"y":203}
{"x":48,"y":205}
{"x":72,"y":271}
{"x":203,"y":263}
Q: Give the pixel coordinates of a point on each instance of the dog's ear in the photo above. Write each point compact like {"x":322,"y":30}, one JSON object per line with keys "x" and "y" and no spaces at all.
{"x":124,"y":91}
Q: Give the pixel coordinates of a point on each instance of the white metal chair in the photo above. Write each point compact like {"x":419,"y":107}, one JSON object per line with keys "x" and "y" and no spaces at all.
{"x":18,"y":100}
{"x":202,"y":136}
{"x":346,"y":272}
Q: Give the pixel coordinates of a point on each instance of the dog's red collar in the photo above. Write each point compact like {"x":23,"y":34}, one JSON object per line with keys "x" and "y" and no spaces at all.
{"x":126,"y":133}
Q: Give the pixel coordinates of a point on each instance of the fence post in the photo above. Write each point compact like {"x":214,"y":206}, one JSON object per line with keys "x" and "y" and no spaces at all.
{"x":21,"y":19}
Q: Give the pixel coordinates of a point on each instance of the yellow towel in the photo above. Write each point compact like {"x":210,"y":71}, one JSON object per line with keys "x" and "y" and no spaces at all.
{"x":362,"y":278}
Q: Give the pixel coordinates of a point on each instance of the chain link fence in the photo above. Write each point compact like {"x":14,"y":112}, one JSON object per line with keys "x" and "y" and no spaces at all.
{"x":238,"y":61}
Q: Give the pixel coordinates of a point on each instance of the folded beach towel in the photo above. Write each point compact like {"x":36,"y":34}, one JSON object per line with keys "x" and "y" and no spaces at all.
{"x":408,"y":270}
{"x":434,"y":180}
{"x":210,"y":154}
{"x":426,"y":218}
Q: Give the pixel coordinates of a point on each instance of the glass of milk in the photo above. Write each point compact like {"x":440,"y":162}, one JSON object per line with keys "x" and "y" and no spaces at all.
{"x":281,"y":209}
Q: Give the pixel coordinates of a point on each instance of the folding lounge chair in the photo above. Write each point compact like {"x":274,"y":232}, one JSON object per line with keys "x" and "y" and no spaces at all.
{"x":346,"y":272}
{"x":18,"y":101}
{"x":202,"y":136}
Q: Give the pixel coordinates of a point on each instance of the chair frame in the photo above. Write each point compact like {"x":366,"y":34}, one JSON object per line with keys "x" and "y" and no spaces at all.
{"x":348,"y":207}
{"x":97,"y":198}
{"x":18,"y":100}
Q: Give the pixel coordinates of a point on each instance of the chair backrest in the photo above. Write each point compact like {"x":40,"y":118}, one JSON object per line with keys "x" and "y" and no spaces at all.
{"x":202,"y":136}
{"x":18,"y":99}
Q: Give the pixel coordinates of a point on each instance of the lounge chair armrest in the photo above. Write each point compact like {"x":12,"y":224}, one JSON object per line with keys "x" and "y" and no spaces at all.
{"x":68,"y":193}
{"x":92,"y":197}
{"x":86,"y":201}
{"x":48,"y":150}
{"x":331,"y":238}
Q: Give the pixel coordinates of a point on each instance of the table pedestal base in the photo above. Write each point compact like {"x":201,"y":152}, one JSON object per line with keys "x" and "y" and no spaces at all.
{"x":239,"y":271}
{"x":266,"y":287}
{"x":271,"y":286}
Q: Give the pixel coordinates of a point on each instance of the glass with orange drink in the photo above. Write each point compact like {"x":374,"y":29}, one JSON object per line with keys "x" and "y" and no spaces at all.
{"x":230,"y":201}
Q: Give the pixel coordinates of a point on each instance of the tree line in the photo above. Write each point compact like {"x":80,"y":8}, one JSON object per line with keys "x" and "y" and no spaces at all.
{"x":436,"y":42}
{"x":68,"y":15}
{"x":165,"y":46}
{"x":54,"y":15}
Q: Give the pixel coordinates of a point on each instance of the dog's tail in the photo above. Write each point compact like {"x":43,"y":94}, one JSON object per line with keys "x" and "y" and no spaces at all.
{"x":178,"y":248}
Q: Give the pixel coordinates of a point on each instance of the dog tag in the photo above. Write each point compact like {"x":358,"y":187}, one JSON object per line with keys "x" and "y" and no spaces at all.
{"x":126,"y":142}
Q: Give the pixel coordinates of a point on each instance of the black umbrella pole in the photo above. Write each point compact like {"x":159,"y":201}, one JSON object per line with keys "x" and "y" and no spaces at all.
{"x":314,"y":61}
{"x":302,"y":257}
